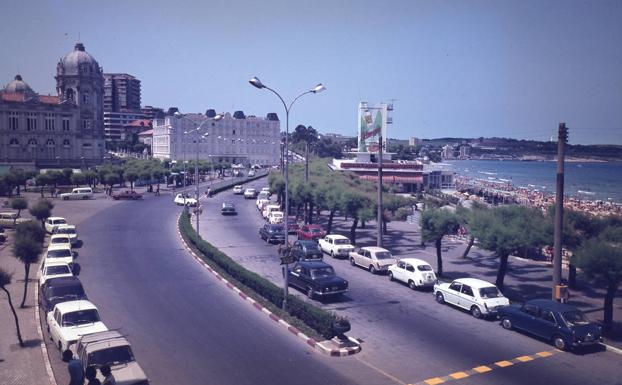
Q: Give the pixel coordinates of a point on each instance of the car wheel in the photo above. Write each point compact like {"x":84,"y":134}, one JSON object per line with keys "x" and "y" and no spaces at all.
{"x":310,"y":293}
{"x":390,"y":276}
{"x":352,"y":262}
{"x":60,"y":349}
{"x":372,"y":269}
{"x":559,"y":342}
{"x":506,"y":323}
{"x":476,"y":312}
{"x":412,"y":285}
{"x":65,"y":198}
{"x":440,"y":298}
{"x":332,"y":254}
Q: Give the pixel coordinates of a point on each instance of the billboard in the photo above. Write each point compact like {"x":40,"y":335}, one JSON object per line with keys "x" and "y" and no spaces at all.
{"x":372,"y":123}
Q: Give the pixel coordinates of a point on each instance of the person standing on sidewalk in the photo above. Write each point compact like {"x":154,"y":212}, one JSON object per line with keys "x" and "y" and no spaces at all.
{"x":91,"y":375}
{"x":75,"y":368}
{"x":108,"y":377}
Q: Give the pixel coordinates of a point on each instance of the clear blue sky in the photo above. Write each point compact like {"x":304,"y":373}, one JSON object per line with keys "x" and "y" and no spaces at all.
{"x":455,"y":68}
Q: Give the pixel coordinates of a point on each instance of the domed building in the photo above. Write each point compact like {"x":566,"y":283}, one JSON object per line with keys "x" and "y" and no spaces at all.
{"x":55,"y":131}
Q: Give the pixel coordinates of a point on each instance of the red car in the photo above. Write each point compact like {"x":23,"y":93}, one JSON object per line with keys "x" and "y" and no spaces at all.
{"x":313,"y":232}
{"x":127,"y":194}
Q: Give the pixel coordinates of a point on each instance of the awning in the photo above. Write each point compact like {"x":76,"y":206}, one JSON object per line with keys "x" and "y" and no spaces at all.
{"x":394,"y":179}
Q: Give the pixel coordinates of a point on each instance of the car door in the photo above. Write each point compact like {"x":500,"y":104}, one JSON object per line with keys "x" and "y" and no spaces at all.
{"x":466,"y":299}
{"x":398,"y":271}
{"x":54,"y":324}
{"x":526,"y":317}
{"x":409,"y":273}
{"x":545,"y":325}
{"x":294,"y":276}
{"x":452,"y":293}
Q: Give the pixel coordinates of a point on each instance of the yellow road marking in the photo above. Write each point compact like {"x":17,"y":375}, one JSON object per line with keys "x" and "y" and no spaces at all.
{"x":458,"y":375}
{"x":482,"y":369}
{"x":524,"y":358}
{"x":503,"y":364}
{"x":544,"y":354}
{"x":434,"y":381}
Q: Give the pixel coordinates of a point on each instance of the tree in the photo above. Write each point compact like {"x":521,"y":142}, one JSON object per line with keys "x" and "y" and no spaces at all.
{"x":78,"y":179}
{"x":5,"y":279}
{"x":27,"y":248}
{"x":465,"y":217}
{"x":90,"y":177}
{"x":18,"y":204}
{"x":600,"y":259}
{"x":131,"y":176}
{"x":41,"y":210}
{"x":507,"y":229}
{"x":351,"y":204}
{"x":43,"y":180}
{"x":435,"y":224}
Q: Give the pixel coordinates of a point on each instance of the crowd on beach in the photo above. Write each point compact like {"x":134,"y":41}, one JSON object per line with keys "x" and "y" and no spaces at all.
{"x":499,"y":192}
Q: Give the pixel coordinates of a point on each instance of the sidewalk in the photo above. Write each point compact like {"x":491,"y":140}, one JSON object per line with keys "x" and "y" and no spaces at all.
{"x":20,"y":366}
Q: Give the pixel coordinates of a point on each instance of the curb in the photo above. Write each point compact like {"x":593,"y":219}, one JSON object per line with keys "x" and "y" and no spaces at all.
{"x":612,"y":349}
{"x":44,"y":349}
{"x":309,"y":341}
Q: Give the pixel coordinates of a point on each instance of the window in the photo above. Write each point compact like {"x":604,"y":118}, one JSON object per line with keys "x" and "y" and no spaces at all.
{"x":13,"y":120}
{"x":32,"y":142}
{"x":531,"y":310}
{"x":548,"y":316}
{"x":410,"y":268}
{"x":14,"y":142}
{"x":31,"y":121}
{"x":86,"y":124}
{"x":401,"y":264}
{"x":49,"y":122}
{"x":50,"y":143}
{"x":455,"y":286}
{"x":466,"y":290}
{"x":66,"y":126}
{"x":66,"y":143}
{"x":85,"y":97}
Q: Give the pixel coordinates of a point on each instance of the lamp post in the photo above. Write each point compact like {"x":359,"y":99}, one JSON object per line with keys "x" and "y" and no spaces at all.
{"x":255,"y":82}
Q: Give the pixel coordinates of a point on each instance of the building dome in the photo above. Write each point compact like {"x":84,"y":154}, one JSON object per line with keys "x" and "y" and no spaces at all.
{"x":78,"y":62}
{"x":19,"y":86}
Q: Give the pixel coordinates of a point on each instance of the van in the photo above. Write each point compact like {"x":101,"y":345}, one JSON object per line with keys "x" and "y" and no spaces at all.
{"x":78,"y":193}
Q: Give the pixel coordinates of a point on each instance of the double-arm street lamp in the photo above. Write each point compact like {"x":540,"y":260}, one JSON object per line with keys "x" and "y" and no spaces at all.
{"x":318,"y":88}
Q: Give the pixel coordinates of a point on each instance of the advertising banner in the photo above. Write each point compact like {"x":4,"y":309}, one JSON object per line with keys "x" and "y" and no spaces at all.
{"x":372,"y":122}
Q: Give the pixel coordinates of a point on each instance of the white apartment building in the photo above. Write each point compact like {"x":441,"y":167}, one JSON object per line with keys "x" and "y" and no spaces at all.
{"x":221,"y":138}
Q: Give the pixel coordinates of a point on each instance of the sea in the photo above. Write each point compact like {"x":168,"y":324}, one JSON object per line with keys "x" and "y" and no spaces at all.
{"x":585,"y":180}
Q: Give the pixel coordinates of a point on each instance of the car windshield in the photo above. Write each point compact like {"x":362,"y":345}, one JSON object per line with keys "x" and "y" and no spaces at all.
{"x":490,"y":292}
{"x":383,"y":255}
{"x":315,"y":230}
{"x":60,"y":240}
{"x":80,"y":317}
{"x":111,"y":356}
{"x":276,"y":229}
{"x":424,"y":268}
{"x":55,"y":270}
{"x":322,"y":272}
{"x":66,"y":231}
{"x":575,"y":317}
{"x":60,"y":253}
{"x":65,"y":291}
{"x":342,"y":241}
{"x":60,"y":222}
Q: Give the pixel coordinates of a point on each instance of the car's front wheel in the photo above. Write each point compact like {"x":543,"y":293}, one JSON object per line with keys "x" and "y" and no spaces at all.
{"x":352,"y":262}
{"x":476,"y":312}
{"x":372,"y":269}
{"x":559,"y":342}
{"x":440,"y":298}
{"x":506,"y":323}
{"x":412,"y":285}
{"x":310,"y":293}
{"x":391,"y":276}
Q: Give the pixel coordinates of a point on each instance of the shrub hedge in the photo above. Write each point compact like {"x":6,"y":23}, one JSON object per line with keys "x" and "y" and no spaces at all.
{"x":314,"y":317}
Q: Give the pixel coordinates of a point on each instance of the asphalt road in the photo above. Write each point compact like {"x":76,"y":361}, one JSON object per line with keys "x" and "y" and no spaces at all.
{"x":407,"y":336}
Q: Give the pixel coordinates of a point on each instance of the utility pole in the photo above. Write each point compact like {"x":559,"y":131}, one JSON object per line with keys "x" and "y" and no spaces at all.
{"x":379,"y":238}
{"x":307,"y":160}
{"x":562,"y":137}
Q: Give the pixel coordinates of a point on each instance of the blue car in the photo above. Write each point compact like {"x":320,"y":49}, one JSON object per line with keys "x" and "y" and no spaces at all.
{"x":564,"y":325}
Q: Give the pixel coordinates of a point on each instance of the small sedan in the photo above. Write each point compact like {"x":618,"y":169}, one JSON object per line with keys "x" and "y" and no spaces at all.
{"x":564,"y":325}
{"x":313,"y":232}
{"x":60,"y":240}
{"x":316,"y":278}
{"x":53,"y":270}
{"x":53,"y":222}
{"x":479,"y":297}
{"x":302,"y":250}
{"x":71,"y":320}
{"x":414,"y":272}
{"x":250,"y":193}
{"x":185,"y":200}
{"x":272,"y":233}
{"x":228,"y":208}
{"x":127,"y":194}
{"x":238,"y":190}
{"x":70,"y":231}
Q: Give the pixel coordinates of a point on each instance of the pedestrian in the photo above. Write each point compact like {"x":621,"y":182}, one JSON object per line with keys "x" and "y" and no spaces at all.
{"x":108,"y":377}
{"x":157,"y":190}
{"x":209,"y":192}
{"x":91,"y":375}
{"x":75,"y":368}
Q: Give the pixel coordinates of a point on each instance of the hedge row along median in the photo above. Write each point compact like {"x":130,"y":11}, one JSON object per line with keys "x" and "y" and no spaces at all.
{"x":317,"y":319}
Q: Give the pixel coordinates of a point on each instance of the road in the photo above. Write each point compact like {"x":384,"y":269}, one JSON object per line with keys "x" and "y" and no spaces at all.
{"x":407,"y":336}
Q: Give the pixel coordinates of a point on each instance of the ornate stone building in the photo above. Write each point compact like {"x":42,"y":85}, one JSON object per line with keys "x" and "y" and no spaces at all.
{"x":55,"y":131}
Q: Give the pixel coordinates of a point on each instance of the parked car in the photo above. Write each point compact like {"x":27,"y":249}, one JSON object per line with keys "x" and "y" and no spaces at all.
{"x":270,"y":208}
{"x":292,"y":225}
{"x":263,"y":195}
{"x":336,"y":245}
{"x":272,"y":233}
{"x":250,"y":193}
{"x":78,"y":193}
{"x":70,"y":231}
{"x":251,"y":173}
{"x":479,"y":297}
{"x":376,"y":259}
{"x":185,"y":199}
{"x":59,"y":253}
{"x":239,"y":190}
{"x":275,"y":217}
{"x":127,"y":194}
{"x":316,"y":278}
{"x":313,"y":232}
{"x":53,"y":222}
{"x":238,"y":174}
{"x":414,"y":272}
{"x":260,"y":202}
{"x":60,"y":240}
{"x":305,"y":249}
{"x":564,"y":325}
{"x":60,"y":289}
{"x":2,"y":235}
{"x":53,"y":269}
{"x":113,"y":349}
{"x":228,"y":208}
{"x":71,"y":320}
{"x":8,"y":218}
{"x":266,"y":190}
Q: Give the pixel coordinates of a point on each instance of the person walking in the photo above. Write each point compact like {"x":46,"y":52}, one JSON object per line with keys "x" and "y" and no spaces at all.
{"x":108,"y":377}
{"x":75,"y":368}
{"x":91,"y":375}
{"x":157,"y":193}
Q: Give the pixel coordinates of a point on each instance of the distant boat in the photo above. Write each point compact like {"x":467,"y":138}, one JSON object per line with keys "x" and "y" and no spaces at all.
{"x":504,"y":180}
{"x":586,"y":192}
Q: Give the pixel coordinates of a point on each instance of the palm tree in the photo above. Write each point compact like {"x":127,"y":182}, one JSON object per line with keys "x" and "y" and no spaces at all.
{"x":5,"y":279}
{"x":27,"y":248}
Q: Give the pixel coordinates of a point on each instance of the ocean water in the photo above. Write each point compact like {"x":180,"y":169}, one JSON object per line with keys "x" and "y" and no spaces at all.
{"x":594,"y":181}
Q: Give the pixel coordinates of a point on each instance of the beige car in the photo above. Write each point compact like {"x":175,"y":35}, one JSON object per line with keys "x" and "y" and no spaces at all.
{"x":53,"y":222}
{"x":268,"y":209}
{"x":7,"y":219}
{"x":275,"y":217}
{"x":375,"y":259}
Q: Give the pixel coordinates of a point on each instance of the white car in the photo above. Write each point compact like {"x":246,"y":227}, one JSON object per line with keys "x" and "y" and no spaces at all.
{"x":53,"y":269}
{"x":53,"y":222}
{"x":78,"y":193}
{"x":251,"y":173}
{"x":375,"y":259}
{"x":268,"y":209}
{"x":58,"y":254}
{"x":266,"y":190}
{"x":275,"y":217}
{"x":336,"y":245}
{"x":185,"y":199}
{"x":414,"y":272}
{"x":239,"y":190}
{"x":250,"y":193}
{"x":263,"y":195}
{"x":60,"y":240}
{"x":71,"y":320}
{"x":261,"y":203}
{"x":479,"y":297}
{"x":70,"y":231}
{"x":7,"y":219}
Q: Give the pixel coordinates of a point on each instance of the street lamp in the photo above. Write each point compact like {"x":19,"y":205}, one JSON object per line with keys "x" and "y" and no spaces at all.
{"x":317,"y":89}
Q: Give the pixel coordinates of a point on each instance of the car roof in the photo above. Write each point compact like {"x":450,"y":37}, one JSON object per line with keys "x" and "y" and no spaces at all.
{"x":52,"y":262}
{"x":551,"y":305}
{"x":306,"y":242}
{"x":80,"y":304}
{"x":374,"y":248}
{"x":63,"y":281}
{"x":109,"y":338}
{"x":474,"y":282}
{"x":313,"y":263}
{"x":338,"y":236}
{"x":59,"y":236}
{"x":414,"y":261}
{"x":55,"y":218}
{"x":66,"y":226}
{"x":58,"y":246}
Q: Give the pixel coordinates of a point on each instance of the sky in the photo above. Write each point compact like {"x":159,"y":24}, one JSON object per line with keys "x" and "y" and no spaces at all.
{"x":513,"y":68}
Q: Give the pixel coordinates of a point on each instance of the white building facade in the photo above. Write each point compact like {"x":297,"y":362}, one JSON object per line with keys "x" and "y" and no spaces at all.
{"x":221,"y":138}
